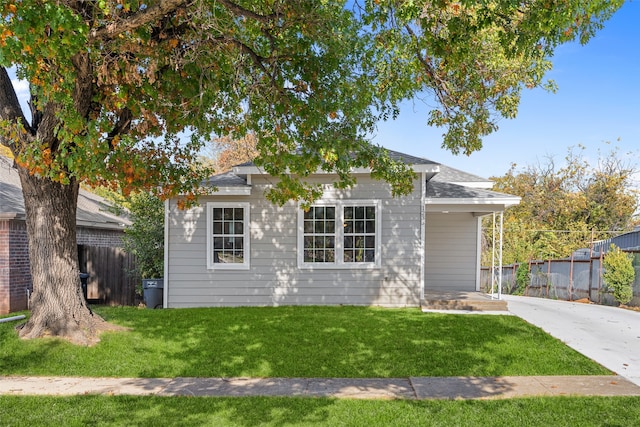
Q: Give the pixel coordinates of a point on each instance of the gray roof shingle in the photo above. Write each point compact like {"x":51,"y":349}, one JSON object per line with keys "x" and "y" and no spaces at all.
{"x":227,"y":179}
{"x":449,"y":174}
{"x":93,"y":210}
{"x":409,"y":159}
{"x":394,"y":155}
{"x":447,"y":190}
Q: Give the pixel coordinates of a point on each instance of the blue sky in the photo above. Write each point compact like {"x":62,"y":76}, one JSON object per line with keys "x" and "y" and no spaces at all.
{"x":598,"y":101}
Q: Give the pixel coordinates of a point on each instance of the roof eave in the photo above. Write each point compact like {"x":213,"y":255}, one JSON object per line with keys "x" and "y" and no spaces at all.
{"x":505,"y":201}
{"x":254,"y":170}
{"x":232,"y":191}
{"x":102,"y":225}
{"x":10,"y":215}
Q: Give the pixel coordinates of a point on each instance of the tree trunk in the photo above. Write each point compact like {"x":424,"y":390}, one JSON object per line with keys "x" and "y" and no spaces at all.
{"x":58,"y":307}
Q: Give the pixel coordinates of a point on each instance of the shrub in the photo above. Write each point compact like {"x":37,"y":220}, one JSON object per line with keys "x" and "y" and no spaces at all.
{"x":619,"y":274}
{"x":523,"y":278}
{"x":145,"y":237}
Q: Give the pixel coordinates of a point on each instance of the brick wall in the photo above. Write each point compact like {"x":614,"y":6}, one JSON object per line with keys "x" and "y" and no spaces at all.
{"x":20,"y":273}
{"x":15,"y":277}
{"x":99,"y":237}
{"x":4,"y":267}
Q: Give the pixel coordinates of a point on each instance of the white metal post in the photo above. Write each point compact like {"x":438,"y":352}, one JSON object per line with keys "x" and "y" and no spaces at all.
{"x":500,"y":256}
{"x":493,"y":253}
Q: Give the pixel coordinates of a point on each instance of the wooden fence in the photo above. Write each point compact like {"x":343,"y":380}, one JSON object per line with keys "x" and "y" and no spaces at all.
{"x":110,"y":275}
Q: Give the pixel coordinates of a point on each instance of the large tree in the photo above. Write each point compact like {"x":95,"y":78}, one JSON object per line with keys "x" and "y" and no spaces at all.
{"x":124,"y":92}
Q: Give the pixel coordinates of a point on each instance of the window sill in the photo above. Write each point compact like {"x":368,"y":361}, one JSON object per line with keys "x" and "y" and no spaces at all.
{"x":327,"y":266}
{"x":228,"y":267}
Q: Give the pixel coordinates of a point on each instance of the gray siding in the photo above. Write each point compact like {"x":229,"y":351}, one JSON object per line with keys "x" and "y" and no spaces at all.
{"x":274,"y":277}
{"x":451,"y":251}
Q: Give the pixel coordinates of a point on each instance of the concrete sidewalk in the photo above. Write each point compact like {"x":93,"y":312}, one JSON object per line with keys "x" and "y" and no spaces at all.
{"x":354,"y":388}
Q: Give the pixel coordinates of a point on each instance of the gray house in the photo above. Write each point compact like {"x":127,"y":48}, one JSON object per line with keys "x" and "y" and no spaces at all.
{"x":358,"y":246}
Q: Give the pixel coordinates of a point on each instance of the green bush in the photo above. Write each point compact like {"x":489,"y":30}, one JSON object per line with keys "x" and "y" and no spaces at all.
{"x":145,"y":236}
{"x":523,"y":278}
{"x":619,"y":274}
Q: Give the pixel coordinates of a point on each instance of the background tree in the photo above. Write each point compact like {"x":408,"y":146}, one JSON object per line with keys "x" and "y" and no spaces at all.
{"x":115,"y":84}
{"x":565,"y":208}
{"x":227,"y":152}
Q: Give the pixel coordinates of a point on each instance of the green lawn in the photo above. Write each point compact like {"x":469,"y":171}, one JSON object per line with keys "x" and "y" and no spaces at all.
{"x":255,"y":411}
{"x":299,"y":342}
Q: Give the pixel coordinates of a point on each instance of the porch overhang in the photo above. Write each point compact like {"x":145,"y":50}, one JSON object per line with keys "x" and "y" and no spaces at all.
{"x":477,"y":207}
{"x":449,"y":197}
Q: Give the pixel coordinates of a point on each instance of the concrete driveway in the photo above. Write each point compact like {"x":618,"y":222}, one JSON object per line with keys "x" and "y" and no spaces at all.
{"x":608,"y":335}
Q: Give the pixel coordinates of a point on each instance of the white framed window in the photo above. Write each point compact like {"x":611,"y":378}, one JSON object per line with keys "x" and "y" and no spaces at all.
{"x":228,"y":236}
{"x":340,"y":234}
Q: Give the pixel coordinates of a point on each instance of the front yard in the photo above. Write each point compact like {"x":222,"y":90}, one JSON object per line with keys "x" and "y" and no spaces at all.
{"x":304,"y":342}
{"x":355,"y":342}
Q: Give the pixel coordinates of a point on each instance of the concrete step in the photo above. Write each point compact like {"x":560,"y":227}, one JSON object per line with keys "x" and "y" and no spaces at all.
{"x":468,"y":301}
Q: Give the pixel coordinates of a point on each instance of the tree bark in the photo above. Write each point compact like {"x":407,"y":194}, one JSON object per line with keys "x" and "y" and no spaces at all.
{"x":58,"y":304}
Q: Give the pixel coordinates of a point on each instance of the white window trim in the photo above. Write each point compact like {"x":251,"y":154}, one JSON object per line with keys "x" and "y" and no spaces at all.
{"x":246,"y":240}
{"x":339,"y":256}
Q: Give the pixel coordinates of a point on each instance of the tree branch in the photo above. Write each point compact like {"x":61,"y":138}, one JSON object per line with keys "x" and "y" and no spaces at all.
{"x":10,"y":109}
{"x":122,"y":126}
{"x":239,"y":10}
{"x":9,"y":105}
{"x":439,"y":86}
{"x":150,"y":14}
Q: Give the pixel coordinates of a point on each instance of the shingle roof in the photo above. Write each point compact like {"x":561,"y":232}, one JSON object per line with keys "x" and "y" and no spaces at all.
{"x":10,"y":190}
{"x":449,"y":174}
{"x":447,"y":190}
{"x":93,"y":210}
{"x":409,"y":159}
{"x":446,"y":184}
{"x":227,"y":179}
{"x":394,"y":155}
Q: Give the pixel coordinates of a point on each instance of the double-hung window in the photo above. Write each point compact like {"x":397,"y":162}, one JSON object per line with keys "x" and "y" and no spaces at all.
{"x":228,"y":236}
{"x":339,"y":234}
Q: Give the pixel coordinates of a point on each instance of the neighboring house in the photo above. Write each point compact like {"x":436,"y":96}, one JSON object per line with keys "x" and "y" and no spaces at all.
{"x":357,"y":246}
{"x":99,"y":235}
{"x":628,"y":242}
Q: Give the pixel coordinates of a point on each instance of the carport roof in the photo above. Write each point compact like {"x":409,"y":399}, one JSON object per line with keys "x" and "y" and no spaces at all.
{"x":449,"y":193}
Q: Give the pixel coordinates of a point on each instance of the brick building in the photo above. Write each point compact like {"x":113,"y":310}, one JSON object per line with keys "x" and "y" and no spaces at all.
{"x":98,"y":232}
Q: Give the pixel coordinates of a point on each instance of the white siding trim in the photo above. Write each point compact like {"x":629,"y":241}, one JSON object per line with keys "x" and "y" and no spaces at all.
{"x":423,"y":232}
{"x":246,"y":236}
{"x":339,"y":256}
{"x":478,"y":252}
{"x":165,"y":290}
{"x":505,"y":202}
{"x":233,"y":191}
